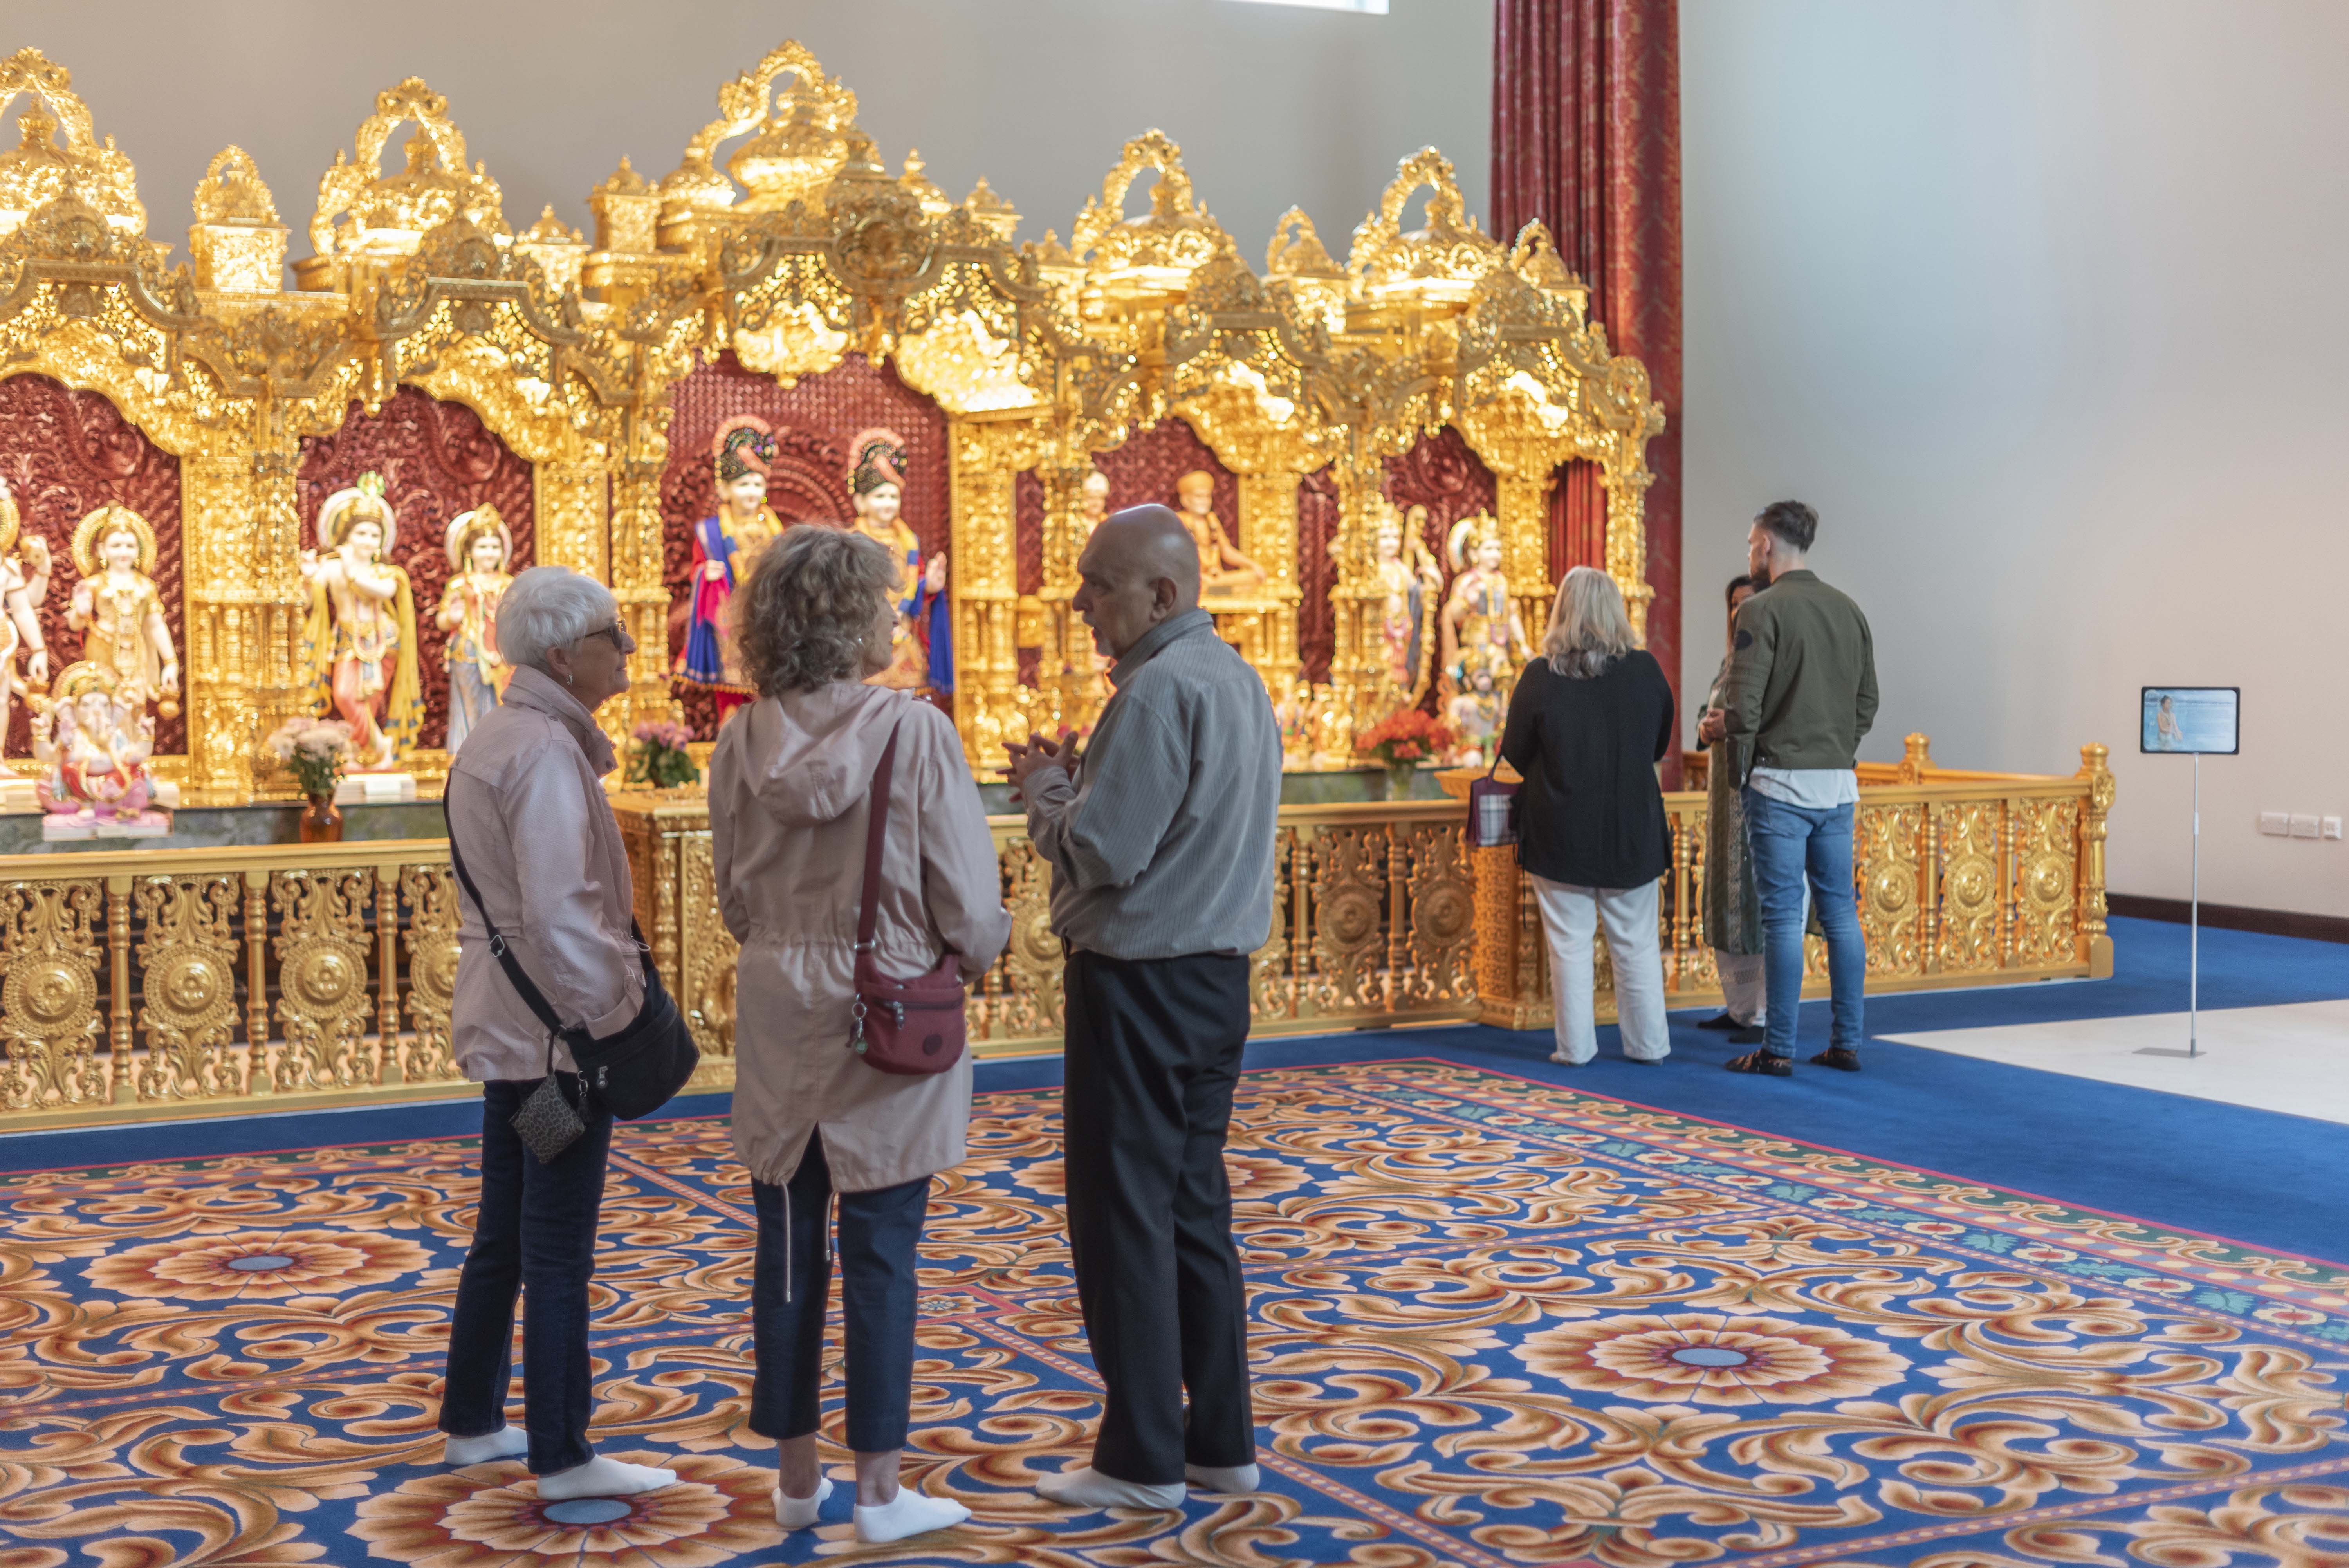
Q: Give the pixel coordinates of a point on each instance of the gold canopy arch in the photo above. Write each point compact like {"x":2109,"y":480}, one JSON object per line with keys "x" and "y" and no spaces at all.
{"x":799,"y":250}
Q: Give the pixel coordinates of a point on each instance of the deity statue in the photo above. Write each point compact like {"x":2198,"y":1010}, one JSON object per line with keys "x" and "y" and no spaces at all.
{"x":480,"y":548}
{"x":1476,"y":714}
{"x":1409,"y":581}
{"x":1221,"y":568}
{"x":922,"y":649}
{"x":24,"y":583}
{"x":120,"y":611}
{"x":1093,"y":503}
{"x":359,"y":646}
{"x":92,"y":742}
{"x":726,"y":547}
{"x":1482,"y":629}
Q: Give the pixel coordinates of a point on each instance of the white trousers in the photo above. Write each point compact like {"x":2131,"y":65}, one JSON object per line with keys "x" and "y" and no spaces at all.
{"x":1744,"y":986}
{"x":1570,"y":917}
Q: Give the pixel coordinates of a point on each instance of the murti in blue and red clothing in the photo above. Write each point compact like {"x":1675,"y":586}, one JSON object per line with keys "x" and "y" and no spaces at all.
{"x":725,"y":547}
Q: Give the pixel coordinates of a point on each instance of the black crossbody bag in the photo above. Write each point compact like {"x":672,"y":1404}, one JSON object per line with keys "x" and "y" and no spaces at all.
{"x":634,"y":1073}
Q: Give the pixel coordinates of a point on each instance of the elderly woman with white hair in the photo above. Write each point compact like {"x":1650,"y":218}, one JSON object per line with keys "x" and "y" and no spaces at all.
{"x":1587,"y":723}
{"x":526,"y":811}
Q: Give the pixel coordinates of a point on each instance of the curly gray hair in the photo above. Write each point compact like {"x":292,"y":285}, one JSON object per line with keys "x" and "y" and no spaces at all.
{"x":812,"y":598}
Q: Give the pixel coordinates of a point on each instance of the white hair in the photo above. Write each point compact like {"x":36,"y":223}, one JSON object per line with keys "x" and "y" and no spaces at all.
{"x":548,"y":608}
{"x":1589,"y":629}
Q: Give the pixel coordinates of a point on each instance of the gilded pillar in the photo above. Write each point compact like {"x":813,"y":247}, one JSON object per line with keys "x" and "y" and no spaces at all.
{"x":1356,"y":669}
{"x":219,"y":526}
{"x":2095,"y":941}
{"x":1522,"y":500}
{"x":983,"y":587}
{"x":1267,"y":523}
{"x":1627,"y":539}
{"x":635,"y":564}
{"x":568,"y":507}
{"x":1070,"y":690}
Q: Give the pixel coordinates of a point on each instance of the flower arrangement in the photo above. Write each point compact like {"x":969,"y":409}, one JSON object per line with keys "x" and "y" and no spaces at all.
{"x":658,"y":757}
{"x":1402,"y":741}
{"x":317,"y":749}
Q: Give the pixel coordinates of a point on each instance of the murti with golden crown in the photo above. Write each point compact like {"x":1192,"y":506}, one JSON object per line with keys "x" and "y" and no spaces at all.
{"x":120,"y":611}
{"x":24,"y":583}
{"x":1482,"y":628}
{"x":921,"y":651}
{"x":93,"y":739}
{"x":481,"y":547}
{"x":1409,"y":582}
{"x":358,"y":645}
{"x":726,"y":547}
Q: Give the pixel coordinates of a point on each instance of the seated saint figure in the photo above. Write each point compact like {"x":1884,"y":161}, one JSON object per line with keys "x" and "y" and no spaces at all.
{"x":922,"y":647}
{"x":358,"y":645}
{"x":726,"y":545}
{"x":1221,"y":568}
{"x":1481,"y":628}
{"x":118,"y":611}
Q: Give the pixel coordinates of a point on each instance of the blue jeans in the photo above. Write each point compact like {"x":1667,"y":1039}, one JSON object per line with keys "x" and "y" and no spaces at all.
{"x":1790,"y":845}
{"x":880,"y":1232}
{"x":533,"y":1233}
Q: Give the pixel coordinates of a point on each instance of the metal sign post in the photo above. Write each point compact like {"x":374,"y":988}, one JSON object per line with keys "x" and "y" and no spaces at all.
{"x":2194,"y":920}
{"x":2194,"y":719}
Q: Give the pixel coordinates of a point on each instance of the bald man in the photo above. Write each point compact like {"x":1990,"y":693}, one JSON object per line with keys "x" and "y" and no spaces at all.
{"x":1160,"y":842}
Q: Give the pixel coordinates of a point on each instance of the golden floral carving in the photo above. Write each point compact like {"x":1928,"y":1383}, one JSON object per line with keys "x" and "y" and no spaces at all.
{"x":188,"y":959}
{"x":1972,"y":888}
{"x":1350,"y":908}
{"x":1034,"y":965}
{"x":322,"y":977}
{"x":51,"y":937}
{"x":710,"y":951}
{"x":431,"y":941}
{"x":1442,"y":914}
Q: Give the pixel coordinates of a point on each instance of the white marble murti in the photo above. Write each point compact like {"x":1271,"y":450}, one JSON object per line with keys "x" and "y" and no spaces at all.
{"x":375,"y":789}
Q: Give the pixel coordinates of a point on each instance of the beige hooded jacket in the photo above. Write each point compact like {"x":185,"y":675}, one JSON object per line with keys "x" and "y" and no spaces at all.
{"x":788,"y":785}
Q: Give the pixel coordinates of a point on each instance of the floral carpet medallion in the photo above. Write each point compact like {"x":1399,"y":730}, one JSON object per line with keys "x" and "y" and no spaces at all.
{"x":1494,"y":1322}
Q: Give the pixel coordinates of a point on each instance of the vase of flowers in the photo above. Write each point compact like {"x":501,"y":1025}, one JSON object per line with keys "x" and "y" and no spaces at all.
{"x":1400,"y":743}
{"x":317,"y":750}
{"x":657,"y":756}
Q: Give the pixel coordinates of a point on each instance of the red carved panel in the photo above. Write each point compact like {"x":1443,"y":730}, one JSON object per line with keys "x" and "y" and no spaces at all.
{"x":1028,"y":531}
{"x":814,"y":423}
{"x":437,"y":459}
{"x":1317,"y":573}
{"x":64,"y":453}
{"x":1146,"y":468}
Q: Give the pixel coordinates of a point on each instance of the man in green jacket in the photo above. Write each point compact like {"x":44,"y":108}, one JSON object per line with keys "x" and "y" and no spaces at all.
{"x":1801,"y":687}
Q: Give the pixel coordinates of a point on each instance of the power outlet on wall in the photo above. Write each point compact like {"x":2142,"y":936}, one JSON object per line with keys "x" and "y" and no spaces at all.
{"x":2276,"y":824}
{"x":2299,"y":825}
{"x":2304,"y":824}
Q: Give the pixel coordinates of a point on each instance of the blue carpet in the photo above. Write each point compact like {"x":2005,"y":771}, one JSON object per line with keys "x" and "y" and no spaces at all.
{"x":2222,"y":1169}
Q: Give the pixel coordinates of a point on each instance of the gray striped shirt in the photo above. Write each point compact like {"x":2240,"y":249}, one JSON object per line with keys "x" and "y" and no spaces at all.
{"x":1161,"y":846}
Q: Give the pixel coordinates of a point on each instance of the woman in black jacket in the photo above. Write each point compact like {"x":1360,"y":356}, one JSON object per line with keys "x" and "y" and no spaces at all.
{"x":1587,"y":723}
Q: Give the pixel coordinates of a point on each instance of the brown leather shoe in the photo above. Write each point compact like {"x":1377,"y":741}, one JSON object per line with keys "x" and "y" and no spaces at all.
{"x":1764,"y":1062}
{"x":1838,"y":1057}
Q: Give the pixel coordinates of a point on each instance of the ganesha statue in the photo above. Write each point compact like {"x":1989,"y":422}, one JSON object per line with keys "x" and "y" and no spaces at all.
{"x":92,"y":738}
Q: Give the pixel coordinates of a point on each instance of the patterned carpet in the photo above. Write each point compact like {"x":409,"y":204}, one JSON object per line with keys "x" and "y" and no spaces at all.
{"x":1495,"y":1322}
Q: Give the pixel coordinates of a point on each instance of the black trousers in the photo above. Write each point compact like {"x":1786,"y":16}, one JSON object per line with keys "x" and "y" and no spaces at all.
{"x":535,"y":1231}
{"x":880,"y":1234}
{"x":1153,"y":1051}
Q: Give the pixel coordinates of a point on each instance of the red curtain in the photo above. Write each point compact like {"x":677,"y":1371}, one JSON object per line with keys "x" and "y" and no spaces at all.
{"x":1586,"y":138}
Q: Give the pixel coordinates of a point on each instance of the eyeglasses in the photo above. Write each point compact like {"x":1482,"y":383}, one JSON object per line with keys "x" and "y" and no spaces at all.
{"x":618,"y":634}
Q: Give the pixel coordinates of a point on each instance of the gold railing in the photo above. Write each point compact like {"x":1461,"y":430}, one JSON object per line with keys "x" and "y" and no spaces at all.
{"x":150,"y":984}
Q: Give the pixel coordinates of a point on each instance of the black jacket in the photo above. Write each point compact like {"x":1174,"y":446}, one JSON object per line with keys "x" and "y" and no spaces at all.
{"x":1591,"y":812}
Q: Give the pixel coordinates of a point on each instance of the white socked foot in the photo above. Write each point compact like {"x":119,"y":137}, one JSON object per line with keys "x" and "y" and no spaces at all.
{"x":509,"y":1444}
{"x":1237,"y":1480}
{"x":907,"y":1513}
{"x":799,"y":1513}
{"x":1085,"y":1487}
{"x":603,"y":1477}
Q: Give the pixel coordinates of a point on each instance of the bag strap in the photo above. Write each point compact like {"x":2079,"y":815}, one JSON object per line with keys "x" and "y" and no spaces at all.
{"x":876,"y":828}
{"x":533,"y":998}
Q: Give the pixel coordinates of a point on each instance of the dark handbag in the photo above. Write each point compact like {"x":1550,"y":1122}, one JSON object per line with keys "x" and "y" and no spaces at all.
{"x":909,"y":1027}
{"x":634,"y":1072}
{"x":1492,"y":811}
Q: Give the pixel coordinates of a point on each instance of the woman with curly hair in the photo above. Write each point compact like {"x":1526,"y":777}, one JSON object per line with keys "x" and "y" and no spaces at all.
{"x":790,"y":802}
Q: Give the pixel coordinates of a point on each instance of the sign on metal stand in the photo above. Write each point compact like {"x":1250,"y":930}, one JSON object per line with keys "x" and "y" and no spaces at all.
{"x":2193,"y":720}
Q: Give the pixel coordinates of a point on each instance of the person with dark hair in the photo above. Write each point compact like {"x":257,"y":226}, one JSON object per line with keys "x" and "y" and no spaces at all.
{"x":1160,"y":840}
{"x":790,"y":803}
{"x":1732,"y":918}
{"x":1802,"y":693}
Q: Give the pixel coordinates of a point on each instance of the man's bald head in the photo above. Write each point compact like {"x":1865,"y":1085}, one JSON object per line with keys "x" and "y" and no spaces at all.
{"x":1140,"y":567}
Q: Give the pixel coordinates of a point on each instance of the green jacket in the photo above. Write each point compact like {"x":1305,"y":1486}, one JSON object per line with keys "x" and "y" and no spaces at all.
{"x":1802,"y":675}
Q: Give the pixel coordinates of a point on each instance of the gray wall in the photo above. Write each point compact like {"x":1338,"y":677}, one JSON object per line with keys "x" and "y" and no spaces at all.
{"x":2041,"y":305}
{"x":1272,"y":106}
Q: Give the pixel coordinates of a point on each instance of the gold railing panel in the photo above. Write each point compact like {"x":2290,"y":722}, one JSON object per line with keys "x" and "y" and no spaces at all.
{"x":138,"y":983}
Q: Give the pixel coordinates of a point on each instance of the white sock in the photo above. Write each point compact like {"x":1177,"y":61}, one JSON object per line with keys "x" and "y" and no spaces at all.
{"x":907,"y":1513}
{"x":1234,"y":1478}
{"x":799,"y":1513}
{"x":1085,"y":1487}
{"x":509,"y":1444}
{"x":603,"y":1477}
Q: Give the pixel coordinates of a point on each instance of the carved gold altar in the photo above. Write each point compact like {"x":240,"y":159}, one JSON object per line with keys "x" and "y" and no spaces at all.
{"x":781,"y":247}
{"x":194,"y":982}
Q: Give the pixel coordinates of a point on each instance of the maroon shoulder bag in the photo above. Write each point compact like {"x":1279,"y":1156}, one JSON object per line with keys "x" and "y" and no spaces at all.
{"x":909,"y":1027}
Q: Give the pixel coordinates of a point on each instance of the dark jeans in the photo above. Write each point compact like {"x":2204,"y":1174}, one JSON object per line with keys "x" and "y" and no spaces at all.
{"x":1793,"y":846}
{"x":879,"y":1234}
{"x":535,"y":1231}
{"x":1154,"y":1050}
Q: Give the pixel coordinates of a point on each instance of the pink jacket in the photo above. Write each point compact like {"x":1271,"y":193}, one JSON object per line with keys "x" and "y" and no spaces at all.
{"x":525,"y":801}
{"x":788,"y":784}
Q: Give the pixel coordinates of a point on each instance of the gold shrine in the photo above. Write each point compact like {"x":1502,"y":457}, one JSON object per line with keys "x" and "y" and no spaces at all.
{"x":795,"y":251}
